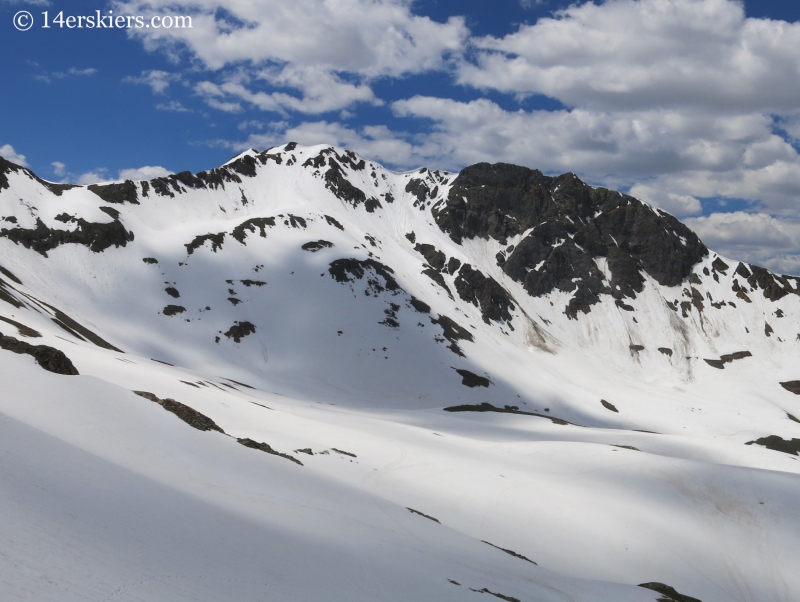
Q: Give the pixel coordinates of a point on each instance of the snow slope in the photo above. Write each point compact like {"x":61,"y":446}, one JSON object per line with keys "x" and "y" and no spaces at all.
{"x":311,"y":300}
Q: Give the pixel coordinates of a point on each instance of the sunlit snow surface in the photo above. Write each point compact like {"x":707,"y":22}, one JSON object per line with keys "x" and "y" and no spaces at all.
{"x":104,"y":495}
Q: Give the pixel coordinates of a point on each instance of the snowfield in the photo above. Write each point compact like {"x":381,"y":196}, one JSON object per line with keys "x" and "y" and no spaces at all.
{"x":302,"y":376}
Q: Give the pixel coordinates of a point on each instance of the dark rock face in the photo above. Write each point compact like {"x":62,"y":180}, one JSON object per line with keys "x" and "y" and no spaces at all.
{"x":412,"y":511}
{"x":189,"y":415}
{"x":332,"y":222}
{"x":6,"y":167}
{"x":452,"y":332}
{"x":251,"y":225}
{"x":316,"y":245}
{"x":7,"y":296}
{"x":609,"y":406}
{"x":495,"y":302}
{"x":173,"y":310}
{"x":470,"y":379}
{"x":265,"y":447}
{"x":116,"y":193}
{"x":793,"y":386}
{"x":9,"y":275}
{"x":573,"y":225}
{"x":25,"y":331}
{"x":199,"y":241}
{"x":98,"y":237}
{"x":213,"y":179}
{"x":775,"y":443}
{"x":49,"y":358}
{"x":773,"y":286}
{"x":295,"y":221}
{"x":437,"y":277}
{"x":432,"y":255}
{"x":339,"y":185}
{"x":420,"y":190}
{"x":391,"y":316}
{"x":510,"y":552}
{"x":240,"y":330}
{"x":487,"y":407}
{"x":350,"y":269}
{"x":453,"y":265}
{"x":420,"y":306}
{"x":336,"y":177}
{"x":727,"y":359}
{"x":669,"y":592}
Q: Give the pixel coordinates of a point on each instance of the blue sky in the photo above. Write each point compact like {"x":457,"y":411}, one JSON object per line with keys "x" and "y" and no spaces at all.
{"x":692,"y":105}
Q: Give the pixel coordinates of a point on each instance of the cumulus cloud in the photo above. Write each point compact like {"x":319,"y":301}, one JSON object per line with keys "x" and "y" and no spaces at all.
{"x":92,"y":177}
{"x":677,"y":204}
{"x":320,"y":91}
{"x":102,"y":174}
{"x":7,"y":152}
{"x":740,"y":229}
{"x":609,"y":146}
{"x":148,"y":172}
{"x":326,"y":52}
{"x":754,"y":237}
{"x":643,"y":53}
{"x":372,"y":37}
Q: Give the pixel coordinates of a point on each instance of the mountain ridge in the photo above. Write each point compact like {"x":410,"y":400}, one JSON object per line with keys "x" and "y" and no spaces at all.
{"x":530,"y":360}
{"x":555,"y":239}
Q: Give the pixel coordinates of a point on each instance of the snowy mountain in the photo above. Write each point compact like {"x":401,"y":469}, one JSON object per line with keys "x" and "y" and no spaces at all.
{"x":491,"y":383}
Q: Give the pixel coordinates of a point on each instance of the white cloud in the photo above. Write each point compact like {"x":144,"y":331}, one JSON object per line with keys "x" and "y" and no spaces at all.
{"x":92,"y":177}
{"x":71,"y":72}
{"x":102,"y":174}
{"x":753,"y":237}
{"x":148,"y":172}
{"x":252,"y":124}
{"x":324,"y":53}
{"x":677,"y":204}
{"x":7,"y":152}
{"x":740,"y":229}
{"x":680,"y":153}
{"x":370,"y":37}
{"x":321,"y":91}
{"x":629,"y":54}
{"x":158,"y":80}
{"x":213,"y":94}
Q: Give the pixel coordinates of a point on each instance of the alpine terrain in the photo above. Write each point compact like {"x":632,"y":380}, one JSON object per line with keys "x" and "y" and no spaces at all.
{"x":301,"y":376}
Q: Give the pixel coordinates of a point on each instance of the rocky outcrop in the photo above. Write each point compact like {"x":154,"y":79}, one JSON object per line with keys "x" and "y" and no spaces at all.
{"x":566,"y":226}
{"x":49,"y":358}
